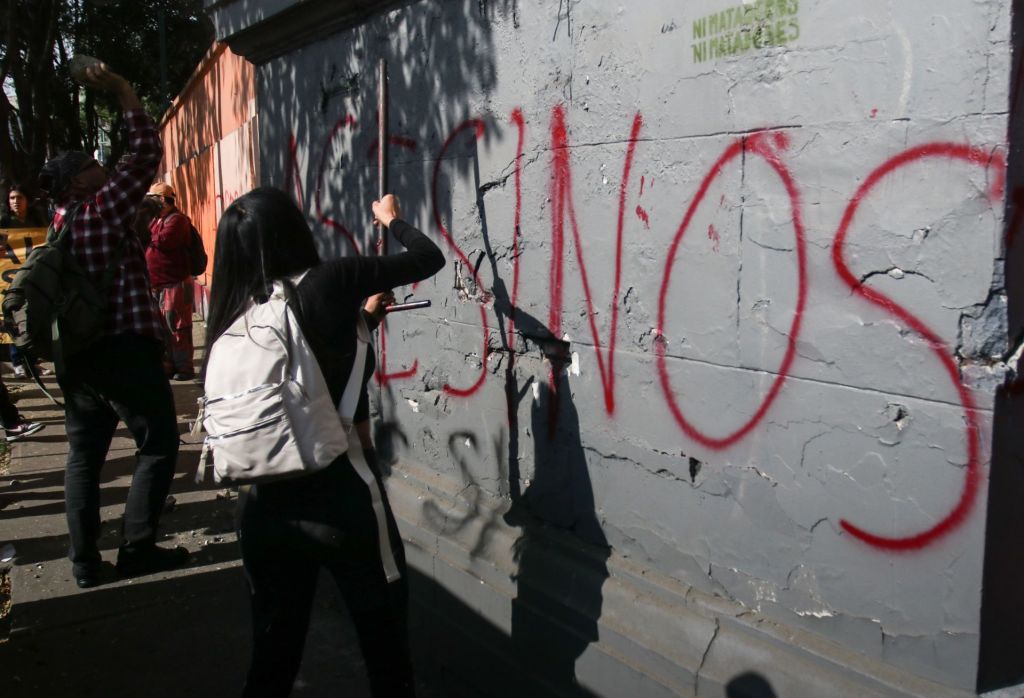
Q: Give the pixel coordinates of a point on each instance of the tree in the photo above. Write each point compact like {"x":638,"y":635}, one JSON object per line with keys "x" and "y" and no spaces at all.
{"x":42,"y":111}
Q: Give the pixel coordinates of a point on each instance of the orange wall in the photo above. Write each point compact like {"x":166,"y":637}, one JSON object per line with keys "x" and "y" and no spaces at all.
{"x":210,"y":143}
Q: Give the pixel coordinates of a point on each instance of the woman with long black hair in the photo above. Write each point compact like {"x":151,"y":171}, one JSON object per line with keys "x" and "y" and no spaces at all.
{"x":289,"y":529}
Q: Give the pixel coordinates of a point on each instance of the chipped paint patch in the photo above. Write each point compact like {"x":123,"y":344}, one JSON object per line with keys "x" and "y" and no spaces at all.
{"x":816,"y":614}
{"x":574,"y":367}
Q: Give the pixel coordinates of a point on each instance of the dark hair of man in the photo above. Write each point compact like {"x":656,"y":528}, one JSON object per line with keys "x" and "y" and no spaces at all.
{"x":56,"y":175}
{"x":262,"y":236}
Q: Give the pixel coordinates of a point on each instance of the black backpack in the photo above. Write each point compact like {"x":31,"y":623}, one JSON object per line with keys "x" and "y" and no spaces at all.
{"x":53,"y":309}
{"x":197,"y":258}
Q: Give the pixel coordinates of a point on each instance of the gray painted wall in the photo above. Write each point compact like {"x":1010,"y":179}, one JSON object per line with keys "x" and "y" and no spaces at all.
{"x":727,"y":409}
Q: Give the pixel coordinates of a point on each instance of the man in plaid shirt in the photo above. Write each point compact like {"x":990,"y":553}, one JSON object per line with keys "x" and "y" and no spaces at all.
{"x":120,"y":377}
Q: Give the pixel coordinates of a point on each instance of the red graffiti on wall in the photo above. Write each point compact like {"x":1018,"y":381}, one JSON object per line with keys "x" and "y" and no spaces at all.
{"x":972,"y":473}
{"x":381,"y":374}
{"x":293,"y":177}
{"x":641,"y":213}
{"x":714,"y":237}
{"x":347,"y":121}
{"x":476,"y":127}
{"x":759,"y":145}
{"x":562,"y":207}
{"x":769,"y":147}
{"x":227,"y":197}
{"x":400,"y":141}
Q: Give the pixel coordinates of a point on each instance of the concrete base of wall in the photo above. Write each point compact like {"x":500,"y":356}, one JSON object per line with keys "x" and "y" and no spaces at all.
{"x":496,"y":611}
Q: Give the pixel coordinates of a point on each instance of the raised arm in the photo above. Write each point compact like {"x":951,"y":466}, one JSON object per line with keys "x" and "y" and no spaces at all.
{"x":365,"y":276}
{"x":117,"y":200}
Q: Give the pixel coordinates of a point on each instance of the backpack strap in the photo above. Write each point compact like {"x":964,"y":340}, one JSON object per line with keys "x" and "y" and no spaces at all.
{"x":347,"y":409}
{"x":62,"y":237}
{"x":358,"y":460}
{"x":57,"y":237}
{"x":354,"y":387}
{"x":58,"y":351}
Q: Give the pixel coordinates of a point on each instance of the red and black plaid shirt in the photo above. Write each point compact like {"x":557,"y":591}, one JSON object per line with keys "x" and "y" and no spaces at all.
{"x":105,"y":220}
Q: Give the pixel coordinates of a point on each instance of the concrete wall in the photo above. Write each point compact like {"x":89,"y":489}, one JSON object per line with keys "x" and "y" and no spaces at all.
{"x":769,"y":236}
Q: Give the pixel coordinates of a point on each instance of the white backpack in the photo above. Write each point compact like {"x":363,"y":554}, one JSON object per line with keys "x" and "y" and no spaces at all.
{"x":268,"y":412}
{"x":267,"y":409}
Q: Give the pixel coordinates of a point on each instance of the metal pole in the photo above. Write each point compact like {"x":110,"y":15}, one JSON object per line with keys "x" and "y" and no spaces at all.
{"x":382,"y":128}
{"x":382,"y":188}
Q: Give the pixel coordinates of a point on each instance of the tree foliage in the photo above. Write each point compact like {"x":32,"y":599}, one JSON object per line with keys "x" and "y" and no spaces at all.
{"x":43,"y":111}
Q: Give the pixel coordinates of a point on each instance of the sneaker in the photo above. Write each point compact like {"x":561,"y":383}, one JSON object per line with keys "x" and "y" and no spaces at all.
{"x":22,"y":430}
{"x":43,"y":370}
{"x":19,"y":372}
{"x":183,"y":376}
{"x":134,"y":563}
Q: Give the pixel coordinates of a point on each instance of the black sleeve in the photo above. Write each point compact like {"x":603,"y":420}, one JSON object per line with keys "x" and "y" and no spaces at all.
{"x":364,"y":276}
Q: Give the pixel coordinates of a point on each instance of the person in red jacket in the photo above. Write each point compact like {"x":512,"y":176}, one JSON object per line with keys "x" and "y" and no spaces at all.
{"x":168,"y":262}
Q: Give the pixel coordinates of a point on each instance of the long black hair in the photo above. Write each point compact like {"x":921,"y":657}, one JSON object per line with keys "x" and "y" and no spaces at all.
{"x":262,"y":236}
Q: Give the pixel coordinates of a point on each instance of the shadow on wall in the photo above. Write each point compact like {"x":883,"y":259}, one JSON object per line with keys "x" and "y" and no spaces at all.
{"x":558,"y":600}
{"x":318,"y":112}
{"x":558,"y":597}
{"x":560,"y":553}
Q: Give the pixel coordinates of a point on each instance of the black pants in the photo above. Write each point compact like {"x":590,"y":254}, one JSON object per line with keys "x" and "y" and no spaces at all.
{"x":120,"y":378}
{"x":288,"y":531}
{"x":8,"y":412}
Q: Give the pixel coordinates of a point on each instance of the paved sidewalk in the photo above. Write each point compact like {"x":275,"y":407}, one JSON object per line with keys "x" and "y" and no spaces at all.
{"x":181,"y":633}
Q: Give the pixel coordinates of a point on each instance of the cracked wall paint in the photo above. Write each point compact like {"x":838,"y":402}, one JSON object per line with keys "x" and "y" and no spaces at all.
{"x":801,"y":267}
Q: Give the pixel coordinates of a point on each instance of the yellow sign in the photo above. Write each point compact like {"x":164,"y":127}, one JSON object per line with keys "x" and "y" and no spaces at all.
{"x":15,"y":246}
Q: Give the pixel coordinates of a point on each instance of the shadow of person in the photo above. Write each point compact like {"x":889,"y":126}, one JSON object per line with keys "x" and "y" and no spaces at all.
{"x":562,"y":552}
{"x":749,"y":685}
